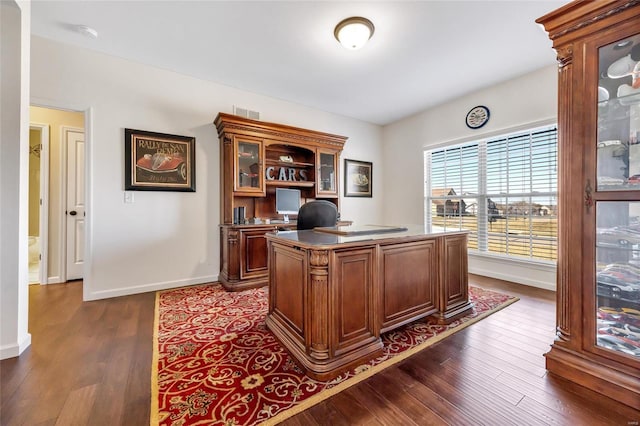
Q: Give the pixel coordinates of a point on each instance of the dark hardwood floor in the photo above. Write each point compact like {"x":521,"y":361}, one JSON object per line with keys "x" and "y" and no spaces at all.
{"x":90,"y":364}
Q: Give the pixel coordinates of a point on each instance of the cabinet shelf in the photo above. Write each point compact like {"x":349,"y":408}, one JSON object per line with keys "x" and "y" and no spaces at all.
{"x":633,"y":98}
{"x":299,"y":183}
{"x":613,"y":246}
{"x":624,"y":186}
{"x":619,"y":299}
{"x":287,"y":163}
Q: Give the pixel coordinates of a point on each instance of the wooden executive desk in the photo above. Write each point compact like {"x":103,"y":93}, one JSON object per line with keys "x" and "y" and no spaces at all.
{"x":331,"y":296}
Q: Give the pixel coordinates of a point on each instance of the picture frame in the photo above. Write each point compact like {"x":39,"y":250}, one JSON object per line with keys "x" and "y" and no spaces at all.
{"x":358,"y":178}
{"x":159,"y":161}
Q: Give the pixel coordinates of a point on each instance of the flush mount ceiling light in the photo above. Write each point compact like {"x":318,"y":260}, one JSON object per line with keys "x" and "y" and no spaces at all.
{"x":354,"y":32}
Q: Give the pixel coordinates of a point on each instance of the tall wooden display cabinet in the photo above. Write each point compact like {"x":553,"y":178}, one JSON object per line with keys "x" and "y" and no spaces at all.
{"x":598,"y":302}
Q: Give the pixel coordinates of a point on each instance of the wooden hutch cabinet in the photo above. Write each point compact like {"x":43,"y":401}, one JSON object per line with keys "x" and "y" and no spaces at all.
{"x":256,"y":158}
{"x":598,"y":297}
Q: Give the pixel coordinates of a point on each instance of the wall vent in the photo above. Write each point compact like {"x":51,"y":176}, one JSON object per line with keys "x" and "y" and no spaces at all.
{"x":247,"y":113}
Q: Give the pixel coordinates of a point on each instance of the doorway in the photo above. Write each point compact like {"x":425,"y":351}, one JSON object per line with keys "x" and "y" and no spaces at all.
{"x":58,"y":239}
{"x":38,"y":201}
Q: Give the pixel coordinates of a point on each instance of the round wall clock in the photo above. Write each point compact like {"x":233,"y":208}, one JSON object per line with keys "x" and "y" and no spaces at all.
{"x":477,"y":117}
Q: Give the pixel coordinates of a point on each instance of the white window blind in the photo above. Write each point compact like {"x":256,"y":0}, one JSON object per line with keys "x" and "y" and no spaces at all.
{"x":504,"y":190}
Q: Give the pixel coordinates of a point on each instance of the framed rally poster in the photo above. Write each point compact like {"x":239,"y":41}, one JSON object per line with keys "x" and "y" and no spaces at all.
{"x":159,"y":161}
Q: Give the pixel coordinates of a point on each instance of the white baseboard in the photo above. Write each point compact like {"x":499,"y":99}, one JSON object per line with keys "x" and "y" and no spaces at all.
{"x":520,"y":279}
{"x":54,"y":280}
{"x":144,"y":288}
{"x":540,"y":274}
{"x":14,"y":350}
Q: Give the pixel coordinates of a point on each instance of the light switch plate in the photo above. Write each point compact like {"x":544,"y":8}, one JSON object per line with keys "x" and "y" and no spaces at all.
{"x":128,"y":197}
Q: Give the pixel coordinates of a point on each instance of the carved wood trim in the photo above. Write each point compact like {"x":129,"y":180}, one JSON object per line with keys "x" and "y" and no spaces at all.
{"x":233,"y":255}
{"x":319,"y":258}
{"x":565,"y":137}
{"x":592,"y":20}
{"x":284,"y":135}
{"x":319,"y":304}
{"x":565,"y":56}
{"x":231,"y":123}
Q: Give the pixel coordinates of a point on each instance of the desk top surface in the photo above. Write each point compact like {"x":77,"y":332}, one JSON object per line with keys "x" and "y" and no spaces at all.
{"x":353,"y":234}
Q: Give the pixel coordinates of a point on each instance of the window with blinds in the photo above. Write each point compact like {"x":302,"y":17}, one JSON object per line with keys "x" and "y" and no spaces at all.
{"x":503,"y":190}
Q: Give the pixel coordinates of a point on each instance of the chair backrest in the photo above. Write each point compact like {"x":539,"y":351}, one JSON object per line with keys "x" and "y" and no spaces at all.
{"x":317,"y":213}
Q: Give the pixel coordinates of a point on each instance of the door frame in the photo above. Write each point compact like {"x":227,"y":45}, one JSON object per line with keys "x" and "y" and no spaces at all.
{"x":43,"y":225}
{"x":87,"y":110}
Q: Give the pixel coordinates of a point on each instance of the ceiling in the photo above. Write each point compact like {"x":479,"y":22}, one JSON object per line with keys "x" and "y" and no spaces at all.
{"x":423,"y":53}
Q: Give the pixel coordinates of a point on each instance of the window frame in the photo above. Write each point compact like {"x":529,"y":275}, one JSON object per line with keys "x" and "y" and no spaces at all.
{"x":478,"y":240}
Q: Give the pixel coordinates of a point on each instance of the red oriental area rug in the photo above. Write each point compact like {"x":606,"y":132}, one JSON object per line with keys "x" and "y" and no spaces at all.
{"x":216,"y":363}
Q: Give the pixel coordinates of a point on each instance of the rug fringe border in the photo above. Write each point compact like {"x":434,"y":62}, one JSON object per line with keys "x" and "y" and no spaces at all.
{"x":317,"y":398}
{"x":155,"y":391}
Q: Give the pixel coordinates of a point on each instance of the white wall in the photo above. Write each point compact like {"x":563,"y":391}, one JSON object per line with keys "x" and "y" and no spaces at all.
{"x":166,"y":239}
{"x":527,"y":100}
{"x":15,"y":27}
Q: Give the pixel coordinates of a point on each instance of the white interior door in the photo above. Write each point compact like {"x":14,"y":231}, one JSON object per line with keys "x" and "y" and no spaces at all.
{"x":75,"y":214}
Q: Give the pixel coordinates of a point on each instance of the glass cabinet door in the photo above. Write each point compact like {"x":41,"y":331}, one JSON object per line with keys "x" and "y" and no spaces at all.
{"x":617,"y":269}
{"x":618,"y":146}
{"x":249,"y":176}
{"x":618,"y":276}
{"x":327,"y":166}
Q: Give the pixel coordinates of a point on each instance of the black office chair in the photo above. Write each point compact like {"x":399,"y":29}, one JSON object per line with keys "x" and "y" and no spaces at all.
{"x":317,"y":213}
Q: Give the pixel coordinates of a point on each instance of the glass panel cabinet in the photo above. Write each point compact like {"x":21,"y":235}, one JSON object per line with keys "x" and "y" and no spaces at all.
{"x":617,"y":265}
{"x":597,"y":341}
{"x":618,"y":277}
{"x":327,"y":171}
{"x":618,"y":144}
{"x":249,"y":159}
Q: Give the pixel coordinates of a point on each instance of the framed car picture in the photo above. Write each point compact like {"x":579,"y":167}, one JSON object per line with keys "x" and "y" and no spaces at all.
{"x":159,"y":162}
{"x":358,"y":178}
